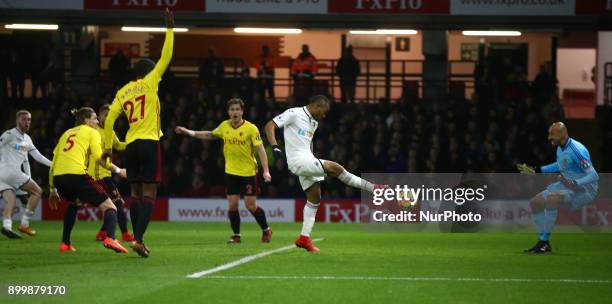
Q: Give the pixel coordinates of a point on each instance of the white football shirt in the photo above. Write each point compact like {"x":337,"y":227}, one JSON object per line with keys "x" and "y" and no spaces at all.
{"x":298,"y":129}
{"x":14,"y":148}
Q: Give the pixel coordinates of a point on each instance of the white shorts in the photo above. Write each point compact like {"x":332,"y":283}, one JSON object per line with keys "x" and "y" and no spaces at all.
{"x":12,"y":178}
{"x":309,"y":169}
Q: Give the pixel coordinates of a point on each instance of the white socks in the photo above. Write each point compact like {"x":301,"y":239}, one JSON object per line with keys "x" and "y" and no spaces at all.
{"x":7,"y":224}
{"x":310,"y":211}
{"x":355,"y":181}
{"x":25,"y":218}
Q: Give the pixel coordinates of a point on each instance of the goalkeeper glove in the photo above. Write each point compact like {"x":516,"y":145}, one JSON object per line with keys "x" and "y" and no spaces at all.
{"x":525,"y":169}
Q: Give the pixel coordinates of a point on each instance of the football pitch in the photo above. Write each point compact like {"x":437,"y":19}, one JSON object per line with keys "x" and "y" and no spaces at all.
{"x":353,"y":266}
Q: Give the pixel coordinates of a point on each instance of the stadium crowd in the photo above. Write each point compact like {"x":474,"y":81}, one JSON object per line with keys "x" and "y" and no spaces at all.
{"x":486,"y":133}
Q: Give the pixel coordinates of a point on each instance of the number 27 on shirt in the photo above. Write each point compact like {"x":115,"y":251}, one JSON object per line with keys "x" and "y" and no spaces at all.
{"x":129,"y":107}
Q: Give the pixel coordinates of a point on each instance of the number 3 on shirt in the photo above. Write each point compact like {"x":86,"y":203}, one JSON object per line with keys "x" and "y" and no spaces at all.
{"x":129,"y":104}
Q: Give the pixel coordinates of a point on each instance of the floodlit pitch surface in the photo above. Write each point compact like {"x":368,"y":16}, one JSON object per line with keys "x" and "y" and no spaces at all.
{"x":353,"y":267}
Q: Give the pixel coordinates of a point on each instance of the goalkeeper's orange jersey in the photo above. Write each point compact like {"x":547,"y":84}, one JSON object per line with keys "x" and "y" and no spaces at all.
{"x":73,"y":150}
{"x":140,"y":103}
{"x":239,"y":147}
{"x":96,"y":170}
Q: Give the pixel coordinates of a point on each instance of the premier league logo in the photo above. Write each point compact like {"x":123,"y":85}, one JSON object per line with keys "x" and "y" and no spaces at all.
{"x":584,"y":164}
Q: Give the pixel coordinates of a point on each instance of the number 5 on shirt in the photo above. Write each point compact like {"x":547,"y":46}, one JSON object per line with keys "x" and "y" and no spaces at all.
{"x":69,"y":142}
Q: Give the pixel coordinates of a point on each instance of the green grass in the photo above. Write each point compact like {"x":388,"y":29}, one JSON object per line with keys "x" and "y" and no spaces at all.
{"x":96,"y":275}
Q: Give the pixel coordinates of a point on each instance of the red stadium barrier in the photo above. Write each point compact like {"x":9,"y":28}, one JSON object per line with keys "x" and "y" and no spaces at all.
{"x":335,"y":211}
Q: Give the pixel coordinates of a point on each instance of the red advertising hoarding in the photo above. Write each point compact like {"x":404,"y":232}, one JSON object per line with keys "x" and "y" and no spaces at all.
{"x":129,"y":49}
{"x":593,"y":7}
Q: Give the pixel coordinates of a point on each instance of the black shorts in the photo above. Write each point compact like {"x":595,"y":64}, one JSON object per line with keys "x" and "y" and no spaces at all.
{"x":241,"y":185}
{"x":109,"y":187}
{"x":143,"y":161}
{"x":84,"y":187}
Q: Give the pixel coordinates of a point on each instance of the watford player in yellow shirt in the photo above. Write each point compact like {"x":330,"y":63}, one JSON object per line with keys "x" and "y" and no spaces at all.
{"x":68,"y":177}
{"x":240,"y":140}
{"x":139,"y":102}
{"x":104,"y":177}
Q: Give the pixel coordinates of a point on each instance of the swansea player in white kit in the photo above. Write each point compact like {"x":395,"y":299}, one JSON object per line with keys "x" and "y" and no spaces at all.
{"x":299,"y":126}
{"x":15,"y":145}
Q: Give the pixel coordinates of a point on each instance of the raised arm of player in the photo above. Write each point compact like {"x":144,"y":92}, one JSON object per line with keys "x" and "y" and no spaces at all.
{"x":166,"y":54}
{"x":204,"y":135}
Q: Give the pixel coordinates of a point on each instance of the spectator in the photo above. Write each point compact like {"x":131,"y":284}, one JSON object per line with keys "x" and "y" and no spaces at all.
{"x":118,"y":67}
{"x":303,"y":71}
{"x":265,"y":74}
{"x":211,"y":70}
{"x":245,"y":87}
{"x":543,"y":85}
{"x":348,"y":70}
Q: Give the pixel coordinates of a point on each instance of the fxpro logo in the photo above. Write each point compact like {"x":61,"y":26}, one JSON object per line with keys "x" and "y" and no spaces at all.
{"x":404,"y":193}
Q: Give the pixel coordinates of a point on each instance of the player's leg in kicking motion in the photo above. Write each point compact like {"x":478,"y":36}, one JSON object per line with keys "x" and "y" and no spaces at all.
{"x":313,"y":195}
{"x":334,"y":169}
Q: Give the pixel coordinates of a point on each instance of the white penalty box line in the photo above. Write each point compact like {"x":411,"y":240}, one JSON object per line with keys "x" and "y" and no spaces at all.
{"x":367,"y":278}
{"x":242,"y":261}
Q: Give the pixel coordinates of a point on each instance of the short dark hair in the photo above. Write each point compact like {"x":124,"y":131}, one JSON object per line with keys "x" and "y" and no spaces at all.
{"x":82,"y":114}
{"x":319,"y":99}
{"x":143,"y":67}
{"x":234,"y":101}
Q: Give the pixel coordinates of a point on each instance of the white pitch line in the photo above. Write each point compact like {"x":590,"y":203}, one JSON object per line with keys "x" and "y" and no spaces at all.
{"x":242,"y":261}
{"x":361,"y":278}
